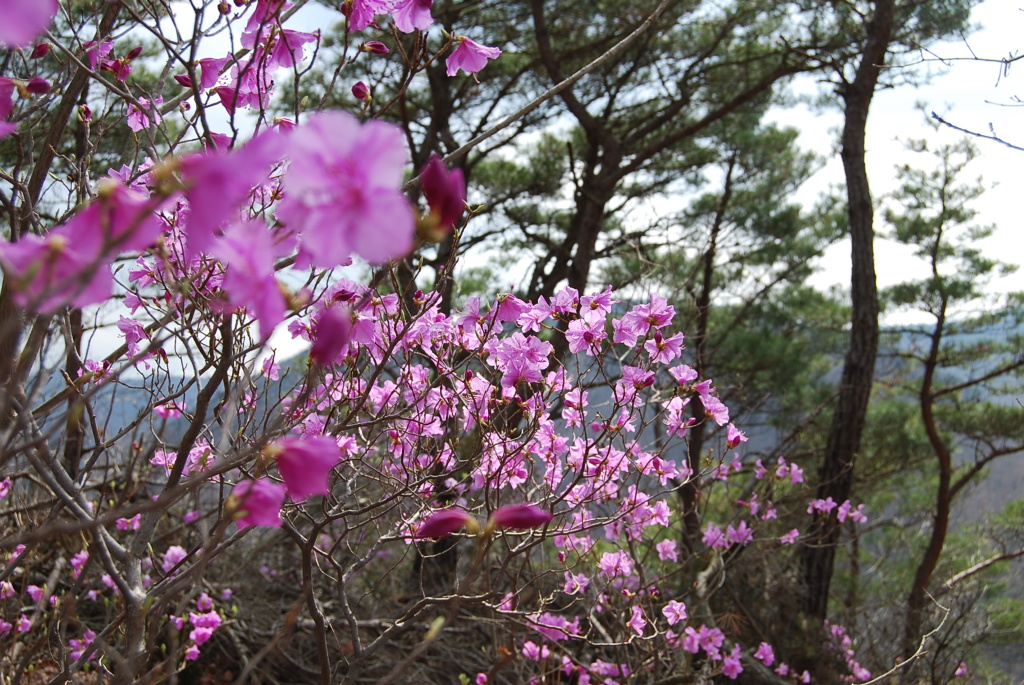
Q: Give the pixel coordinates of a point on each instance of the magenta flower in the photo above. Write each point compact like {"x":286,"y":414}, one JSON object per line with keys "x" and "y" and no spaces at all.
{"x":636,"y":620}
{"x":332,"y":333}
{"x":374,"y":47}
{"x":40,"y":50}
{"x":258,"y":503}
{"x":6,"y":105}
{"x":469,"y":56}
{"x":442,"y":523}
{"x":248,"y":250}
{"x":674,"y":612}
{"x":24,"y":20}
{"x":412,"y":15}
{"x":174,"y":555}
{"x":731,"y":666}
{"x":361,"y":12}
{"x":305,"y":464}
{"x":734,"y":436}
{"x":445,"y":192}
{"x":218,"y":181}
{"x":520,"y":517}
{"x":70,"y":264}
{"x":342,"y":191}
{"x":139,"y":119}
{"x":765,"y":654}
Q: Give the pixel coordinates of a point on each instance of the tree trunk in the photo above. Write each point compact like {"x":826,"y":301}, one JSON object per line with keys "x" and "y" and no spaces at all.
{"x":918,"y":596}
{"x":836,"y":473}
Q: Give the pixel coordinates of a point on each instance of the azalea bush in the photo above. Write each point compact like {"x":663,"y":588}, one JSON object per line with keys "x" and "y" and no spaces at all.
{"x":490,"y":490}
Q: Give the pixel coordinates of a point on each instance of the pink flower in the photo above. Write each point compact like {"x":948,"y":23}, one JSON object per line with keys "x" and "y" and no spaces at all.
{"x":636,"y":620}
{"x":533,"y":652}
{"x":520,"y":516}
{"x":35,"y":592}
{"x":174,"y":555}
{"x":249,"y":250}
{"x":218,"y":181}
{"x":342,"y":191}
{"x":765,"y":654}
{"x":731,"y":666}
{"x":78,"y":562}
{"x":741,"y":534}
{"x":129,"y":523}
{"x":362,"y":12}
{"x":790,"y":537}
{"x":412,"y":15}
{"x":374,"y":47}
{"x":6,"y":105}
{"x":23,"y":624}
{"x":442,"y":523}
{"x":714,"y":537}
{"x":575,"y":583}
{"x":469,"y":56}
{"x":5,"y":487}
{"x":733,"y":436}
{"x":24,"y":20}
{"x":139,"y":118}
{"x":258,"y":503}
{"x":305,"y":464}
{"x":667,"y":550}
{"x":674,"y":612}
{"x":70,"y":264}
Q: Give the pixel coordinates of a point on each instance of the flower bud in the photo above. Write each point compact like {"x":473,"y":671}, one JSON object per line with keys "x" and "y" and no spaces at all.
{"x":442,"y":523}
{"x":223,"y":7}
{"x":135,"y":52}
{"x":40,"y":50}
{"x":84,"y":113}
{"x":519,"y":517}
{"x":183,"y":79}
{"x":375,"y":47}
{"x":38,"y":86}
{"x":361,"y":91}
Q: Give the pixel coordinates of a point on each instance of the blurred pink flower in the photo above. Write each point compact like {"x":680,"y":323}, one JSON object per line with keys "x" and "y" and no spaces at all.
{"x":24,"y":20}
{"x":520,"y":516}
{"x":442,"y":523}
{"x":342,"y":191}
{"x":305,"y":464}
{"x":70,"y":264}
{"x":258,"y":503}
{"x":248,"y":250}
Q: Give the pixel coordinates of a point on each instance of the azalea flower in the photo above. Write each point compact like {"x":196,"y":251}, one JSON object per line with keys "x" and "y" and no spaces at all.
{"x":469,"y":56}
{"x":258,"y":503}
{"x":24,"y":20}
{"x":139,"y":118}
{"x":248,"y":250}
{"x":343,"y":191}
{"x":412,"y":15}
{"x":70,"y":264}
{"x":305,"y":464}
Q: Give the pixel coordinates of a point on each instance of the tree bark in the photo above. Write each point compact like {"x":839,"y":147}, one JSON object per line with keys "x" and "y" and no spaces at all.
{"x":943,"y":498}
{"x":836,"y":472}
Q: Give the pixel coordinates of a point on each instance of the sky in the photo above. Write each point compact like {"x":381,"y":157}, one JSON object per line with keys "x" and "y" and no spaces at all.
{"x":968,"y":93}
